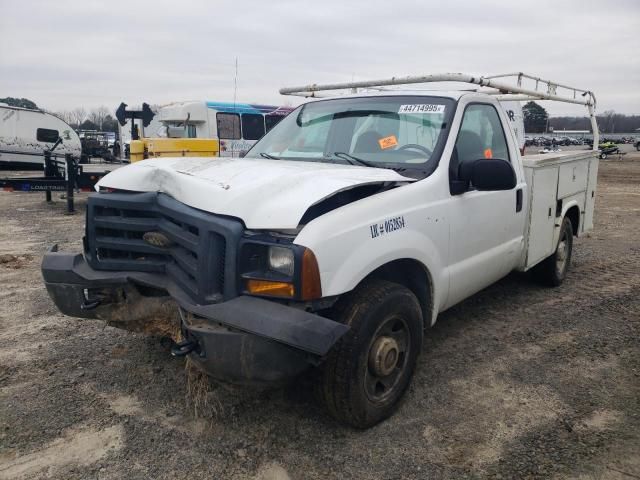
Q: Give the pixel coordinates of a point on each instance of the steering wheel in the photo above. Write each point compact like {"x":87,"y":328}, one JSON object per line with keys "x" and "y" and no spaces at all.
{"x":415,"y":146}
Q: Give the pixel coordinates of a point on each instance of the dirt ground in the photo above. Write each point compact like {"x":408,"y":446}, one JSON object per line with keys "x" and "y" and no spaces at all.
{"x":519,"y":381}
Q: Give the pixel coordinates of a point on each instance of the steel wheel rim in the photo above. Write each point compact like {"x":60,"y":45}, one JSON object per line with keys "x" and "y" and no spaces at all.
{"x":388,"y":352}
{"x":562,"y":253}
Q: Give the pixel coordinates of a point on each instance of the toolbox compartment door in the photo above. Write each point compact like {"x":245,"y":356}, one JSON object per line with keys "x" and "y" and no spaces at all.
{"x":587,"y":217}
{"x":542,"y":214}
{"x":573,"y":178}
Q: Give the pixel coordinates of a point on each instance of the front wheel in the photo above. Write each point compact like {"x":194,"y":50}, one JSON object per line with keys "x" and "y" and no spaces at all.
{"x":367,"y":372}
{"x":553,"y":270}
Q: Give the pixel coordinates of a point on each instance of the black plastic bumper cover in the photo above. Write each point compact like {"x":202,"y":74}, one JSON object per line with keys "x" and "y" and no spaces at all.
{"x":245,"y":339}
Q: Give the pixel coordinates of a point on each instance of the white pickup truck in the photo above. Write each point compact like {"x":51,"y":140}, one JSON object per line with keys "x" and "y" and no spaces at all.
{"x":336,"y":242}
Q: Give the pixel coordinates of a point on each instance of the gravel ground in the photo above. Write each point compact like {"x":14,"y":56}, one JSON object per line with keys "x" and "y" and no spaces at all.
{"x":519,"y":381}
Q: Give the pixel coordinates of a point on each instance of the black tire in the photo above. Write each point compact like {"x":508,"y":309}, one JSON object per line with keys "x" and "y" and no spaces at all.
{"x":553,"y":270}
{"x":381,"y":314}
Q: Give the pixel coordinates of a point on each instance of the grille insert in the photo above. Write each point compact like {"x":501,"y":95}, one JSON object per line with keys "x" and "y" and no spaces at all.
{"x":196,"y":259}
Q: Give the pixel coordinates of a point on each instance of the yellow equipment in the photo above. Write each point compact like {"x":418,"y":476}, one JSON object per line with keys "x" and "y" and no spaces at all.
{"x":173,"y":147}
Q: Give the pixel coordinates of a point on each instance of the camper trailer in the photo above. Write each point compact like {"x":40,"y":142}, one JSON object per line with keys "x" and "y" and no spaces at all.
{"x":25,"y":134}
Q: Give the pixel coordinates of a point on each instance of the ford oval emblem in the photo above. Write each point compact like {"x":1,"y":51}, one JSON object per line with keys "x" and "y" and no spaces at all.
{"x":157,"y":239}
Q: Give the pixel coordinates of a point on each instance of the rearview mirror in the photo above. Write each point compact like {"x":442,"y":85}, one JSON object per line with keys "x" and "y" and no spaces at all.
{"x":488,"y":174}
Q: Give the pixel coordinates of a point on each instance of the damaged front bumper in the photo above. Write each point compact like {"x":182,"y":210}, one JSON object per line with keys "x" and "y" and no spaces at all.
{"x":242,"y":340}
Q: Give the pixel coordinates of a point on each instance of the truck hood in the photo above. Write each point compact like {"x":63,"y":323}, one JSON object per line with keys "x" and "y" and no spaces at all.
{"x":265,"y":194}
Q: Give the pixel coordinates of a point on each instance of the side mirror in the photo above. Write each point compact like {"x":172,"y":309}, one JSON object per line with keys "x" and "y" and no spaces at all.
{"x":488,"y":174}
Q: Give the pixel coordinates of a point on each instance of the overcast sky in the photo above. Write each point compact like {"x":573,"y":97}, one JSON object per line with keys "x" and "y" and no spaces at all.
{"x":68,"y":53}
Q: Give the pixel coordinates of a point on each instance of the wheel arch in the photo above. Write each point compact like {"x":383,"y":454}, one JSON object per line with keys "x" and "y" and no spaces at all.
{"x":413,"y":275}
{"x":573,"y":214}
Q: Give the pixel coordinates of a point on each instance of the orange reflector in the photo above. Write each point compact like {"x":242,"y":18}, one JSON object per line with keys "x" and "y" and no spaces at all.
{"x":311,"y":286}
{"x":266,"y":287}
{"x":488,"y":153}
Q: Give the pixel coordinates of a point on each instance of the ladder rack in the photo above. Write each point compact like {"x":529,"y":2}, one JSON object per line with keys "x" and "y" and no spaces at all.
{"x":498,"y":85}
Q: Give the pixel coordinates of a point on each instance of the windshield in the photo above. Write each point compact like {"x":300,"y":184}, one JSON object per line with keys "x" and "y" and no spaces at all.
{"x":398,"y":132}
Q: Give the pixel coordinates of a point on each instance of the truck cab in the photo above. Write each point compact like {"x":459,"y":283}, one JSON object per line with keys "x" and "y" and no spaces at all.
{"x":334,"y":244}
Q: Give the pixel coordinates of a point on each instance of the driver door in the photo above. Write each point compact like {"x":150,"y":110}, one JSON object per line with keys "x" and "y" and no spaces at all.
{"x":486,"y":227}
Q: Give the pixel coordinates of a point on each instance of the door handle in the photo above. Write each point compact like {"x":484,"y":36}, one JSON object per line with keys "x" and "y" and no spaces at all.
{"x":518,"y":200}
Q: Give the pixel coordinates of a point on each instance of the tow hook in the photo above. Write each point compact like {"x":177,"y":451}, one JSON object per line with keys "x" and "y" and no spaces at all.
{"x":183,"y":348}
{"x":89,"y":304}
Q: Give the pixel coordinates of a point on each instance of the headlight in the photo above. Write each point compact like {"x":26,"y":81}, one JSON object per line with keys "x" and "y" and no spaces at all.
{"x":269,"y":270}
{"x":281,"y":260}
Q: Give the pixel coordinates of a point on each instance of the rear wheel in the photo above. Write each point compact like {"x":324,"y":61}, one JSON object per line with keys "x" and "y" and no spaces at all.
{"x":553,"y":270}
{"x":367,"y":372}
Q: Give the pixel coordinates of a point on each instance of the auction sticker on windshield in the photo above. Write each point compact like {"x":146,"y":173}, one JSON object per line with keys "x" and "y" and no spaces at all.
{"x":388,"y":142}
{"x":421,"y":108}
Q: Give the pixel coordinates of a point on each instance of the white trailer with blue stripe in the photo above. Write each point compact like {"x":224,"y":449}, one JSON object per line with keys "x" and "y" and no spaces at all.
{"x":237,"y":126}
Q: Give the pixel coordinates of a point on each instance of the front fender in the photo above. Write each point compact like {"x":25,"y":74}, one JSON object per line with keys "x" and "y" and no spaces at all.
{"x":349,"y":242}
{"x":359,"y":264}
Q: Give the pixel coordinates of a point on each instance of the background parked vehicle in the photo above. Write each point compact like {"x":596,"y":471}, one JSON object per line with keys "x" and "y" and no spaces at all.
{"x":236,"y":126}
{"x":97,"y":144}
{"x":608,"y":148}
{"x":26,"y":133}
{"x":197,"y":129}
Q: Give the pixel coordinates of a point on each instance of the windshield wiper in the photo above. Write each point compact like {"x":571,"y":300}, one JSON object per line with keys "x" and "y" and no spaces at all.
{"x":270,"y":157}
{"x":355,"y":160}
{"x":358,"y":161}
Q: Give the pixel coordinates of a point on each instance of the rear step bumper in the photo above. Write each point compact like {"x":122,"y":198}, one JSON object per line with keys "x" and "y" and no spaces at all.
{"x":243,"y":340}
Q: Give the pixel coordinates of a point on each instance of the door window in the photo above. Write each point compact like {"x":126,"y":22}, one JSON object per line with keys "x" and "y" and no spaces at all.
{"x":228,"y":126}
{"x":481,"y":136}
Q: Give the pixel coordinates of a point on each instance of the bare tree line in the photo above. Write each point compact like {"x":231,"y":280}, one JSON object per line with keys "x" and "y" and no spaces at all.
{"x":608,"y":122}
{"x":99,"y":116}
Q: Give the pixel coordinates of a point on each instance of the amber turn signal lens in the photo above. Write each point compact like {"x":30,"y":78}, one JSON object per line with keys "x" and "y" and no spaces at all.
{"x":311,"y":287}
{"x":266,"y":287}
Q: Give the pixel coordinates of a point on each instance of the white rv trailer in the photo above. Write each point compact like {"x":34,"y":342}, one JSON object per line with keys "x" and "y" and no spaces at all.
{"x":237,"y":126}
{"x":26,"y":133}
